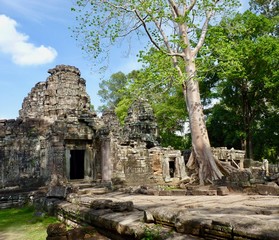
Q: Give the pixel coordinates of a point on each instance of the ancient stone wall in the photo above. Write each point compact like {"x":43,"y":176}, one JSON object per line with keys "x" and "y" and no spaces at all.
{"x":233,"y":156}
{"x":55,"y":119}
{"x":57,"y":136}
{"x":22,"y":152}
{"x":136,"y":155}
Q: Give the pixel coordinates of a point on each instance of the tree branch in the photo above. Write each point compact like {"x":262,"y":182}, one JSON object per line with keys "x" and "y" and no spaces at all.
{"x":203,"y":33}
{"x":146,"y":30}
{"x":193,"y":3}
{"x":136,"y":26}
{"x":174,"y":9}
{"x":118,"y":7}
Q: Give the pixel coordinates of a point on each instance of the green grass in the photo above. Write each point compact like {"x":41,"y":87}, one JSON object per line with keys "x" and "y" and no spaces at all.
{"x":24,"y":224}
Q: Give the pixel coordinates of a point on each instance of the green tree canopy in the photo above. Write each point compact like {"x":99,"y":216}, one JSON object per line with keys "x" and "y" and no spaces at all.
{"x":269,"y":8}
{"x":245,"y":49}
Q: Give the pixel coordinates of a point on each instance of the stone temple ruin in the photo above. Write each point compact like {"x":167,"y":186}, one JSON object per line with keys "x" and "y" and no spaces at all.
{"x":58,"y":142}
{"x":58,"y":136}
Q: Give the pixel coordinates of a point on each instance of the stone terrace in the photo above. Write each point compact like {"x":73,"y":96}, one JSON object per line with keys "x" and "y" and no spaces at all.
{"x":234,"y":216}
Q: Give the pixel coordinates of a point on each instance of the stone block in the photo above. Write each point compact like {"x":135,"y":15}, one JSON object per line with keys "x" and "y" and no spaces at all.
{"x":178,"y":192}
{"x":204,"y":192}
{"x":122,"y":206}
{"x":148,"y":217}
{"x":264,"y":189}
{"x":165,"y":193}
{"x":223,"y":191}
{"x":75,"y":234}
{"x":56,"y":229}
{"x":100,"y":204}
{"x":57,"y":192}
{"x":57,"y":238}
{"x":216,"y":234}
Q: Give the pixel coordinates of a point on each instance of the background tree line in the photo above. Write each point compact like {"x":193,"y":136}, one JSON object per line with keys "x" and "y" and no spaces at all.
{"x":239,"y":68}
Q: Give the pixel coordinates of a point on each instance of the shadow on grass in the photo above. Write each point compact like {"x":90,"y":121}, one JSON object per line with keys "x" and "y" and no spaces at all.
{"x":24,"y":223}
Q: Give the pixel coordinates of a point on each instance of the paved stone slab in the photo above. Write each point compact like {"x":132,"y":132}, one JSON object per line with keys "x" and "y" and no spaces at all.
{"x":232,"y":216}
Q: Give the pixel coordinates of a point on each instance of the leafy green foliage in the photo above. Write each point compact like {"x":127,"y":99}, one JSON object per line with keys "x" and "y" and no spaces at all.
{"x":110,"y":90}
{"x":245,"y":50}
{"x":269,"y":8}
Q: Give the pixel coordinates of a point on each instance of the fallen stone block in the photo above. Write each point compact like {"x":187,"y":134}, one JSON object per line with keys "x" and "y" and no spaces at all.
{"x":101,"y":204}
{"x":75,"y":234}
{"x":122,"y":206}
{"x":166,"y":216}
{"x":165,"y":193}
{"x":222,"y":191}
{"x":265,"y":189}
{"x":57,"y":238}
{"x":56,"y":229}
{"x":197,"y":192}
{"x":57,"y":192}
{"x":148,"y":217}
{"x":178,"y":192}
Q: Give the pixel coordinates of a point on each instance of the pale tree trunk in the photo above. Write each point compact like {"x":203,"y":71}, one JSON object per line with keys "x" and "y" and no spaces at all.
{"x":208,"y":170}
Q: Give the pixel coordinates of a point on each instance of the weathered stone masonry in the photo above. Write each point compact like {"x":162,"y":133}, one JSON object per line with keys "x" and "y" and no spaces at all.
{"x":51,"y":125}
{"x":57,"y":135}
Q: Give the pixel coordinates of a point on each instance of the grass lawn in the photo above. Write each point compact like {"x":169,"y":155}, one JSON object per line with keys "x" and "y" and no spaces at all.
{"x":24,"y":224}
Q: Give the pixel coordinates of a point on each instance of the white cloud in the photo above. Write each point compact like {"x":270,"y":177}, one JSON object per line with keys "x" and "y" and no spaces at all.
{"x":18,"y":46}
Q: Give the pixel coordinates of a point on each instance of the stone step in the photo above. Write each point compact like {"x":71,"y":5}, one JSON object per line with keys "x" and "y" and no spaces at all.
{"x":201,"y":190}
{"x":82,"y":185}
{"x":92,"y":191}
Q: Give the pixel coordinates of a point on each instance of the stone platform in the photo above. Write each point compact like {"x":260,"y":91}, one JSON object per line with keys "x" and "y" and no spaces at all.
{"x":234,"y":216}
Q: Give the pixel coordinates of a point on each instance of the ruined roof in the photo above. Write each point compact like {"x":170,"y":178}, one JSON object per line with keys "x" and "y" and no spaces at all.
{"x":62,"y":94}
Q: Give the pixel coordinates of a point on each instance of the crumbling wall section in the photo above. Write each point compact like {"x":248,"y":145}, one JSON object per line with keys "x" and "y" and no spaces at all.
{"x":22,"y":151}
{"x":136,"y":155}
{"x":32,"y":148}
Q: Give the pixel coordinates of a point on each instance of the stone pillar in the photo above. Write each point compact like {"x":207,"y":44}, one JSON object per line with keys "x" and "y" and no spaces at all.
{"x":241,"y":164}
{"x":93,"y":164}
{"x":68,"y":157}
{"x":166,"y":169}
{"x":182,"y":169}
{"x":265,"y":167}
{"x":2,"y":176}
{"x":106,"y":161}
{"x":106,"y":155}
{"x":88,"y":159}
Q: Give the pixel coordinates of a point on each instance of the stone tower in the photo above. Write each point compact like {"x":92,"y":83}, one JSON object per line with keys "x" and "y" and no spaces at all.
{"x":61,"y":95}
{"x":140,"y":126}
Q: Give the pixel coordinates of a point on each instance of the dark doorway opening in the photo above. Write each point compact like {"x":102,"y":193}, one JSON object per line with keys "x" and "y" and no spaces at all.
{"x":171,"y":168}
{"x":77,"y":164}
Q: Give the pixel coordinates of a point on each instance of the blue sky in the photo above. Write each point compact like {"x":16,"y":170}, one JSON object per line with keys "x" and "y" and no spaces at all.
{"x":34,"y":37}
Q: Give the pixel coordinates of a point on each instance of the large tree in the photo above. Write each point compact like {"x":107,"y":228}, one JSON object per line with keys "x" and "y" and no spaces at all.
{"x":176,"y":28}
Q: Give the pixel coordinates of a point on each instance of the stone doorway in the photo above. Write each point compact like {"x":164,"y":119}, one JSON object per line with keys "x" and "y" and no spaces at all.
{"x":77,"y":164}
{"x":172,"y":167}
